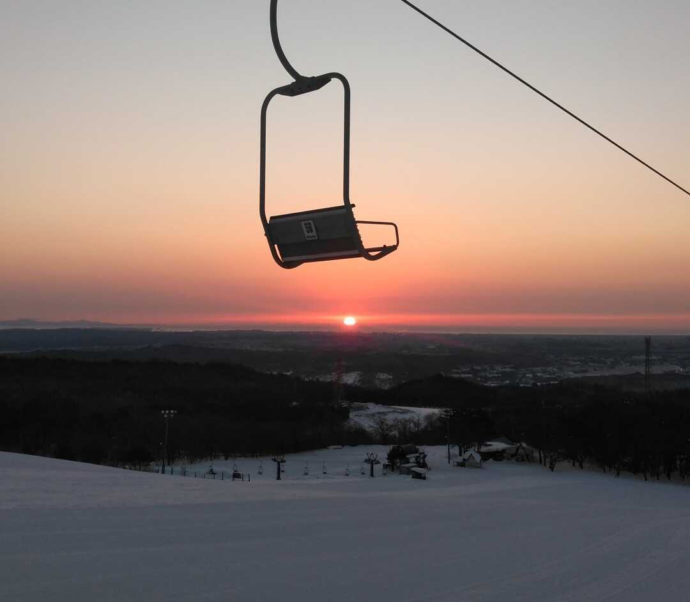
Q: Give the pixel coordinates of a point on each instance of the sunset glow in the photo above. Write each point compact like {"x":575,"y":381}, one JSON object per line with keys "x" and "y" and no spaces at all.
{"x":349,"y":321}
{"x":130,"y":166}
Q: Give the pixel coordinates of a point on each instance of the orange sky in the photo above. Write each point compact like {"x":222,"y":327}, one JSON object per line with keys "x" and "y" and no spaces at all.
{"x":129,"y":164}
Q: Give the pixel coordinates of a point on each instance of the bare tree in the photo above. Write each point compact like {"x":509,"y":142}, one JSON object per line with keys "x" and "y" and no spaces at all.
{"x":383,"y":429}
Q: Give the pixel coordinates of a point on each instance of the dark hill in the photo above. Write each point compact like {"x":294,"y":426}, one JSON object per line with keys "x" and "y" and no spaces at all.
{"x":110,"y":410}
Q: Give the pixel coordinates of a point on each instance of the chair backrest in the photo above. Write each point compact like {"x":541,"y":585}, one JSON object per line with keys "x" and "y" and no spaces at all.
{"x":329,"y":233}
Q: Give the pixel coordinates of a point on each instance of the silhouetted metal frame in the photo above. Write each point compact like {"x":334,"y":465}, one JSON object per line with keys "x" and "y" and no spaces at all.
{"x":304,"y":85}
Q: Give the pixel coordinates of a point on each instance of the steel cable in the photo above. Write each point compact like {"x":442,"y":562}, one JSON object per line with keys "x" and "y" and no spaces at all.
{"x":546,"y":97}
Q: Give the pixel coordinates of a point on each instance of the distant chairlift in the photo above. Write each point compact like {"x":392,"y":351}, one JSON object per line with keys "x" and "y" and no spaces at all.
{"x":317,"y":234}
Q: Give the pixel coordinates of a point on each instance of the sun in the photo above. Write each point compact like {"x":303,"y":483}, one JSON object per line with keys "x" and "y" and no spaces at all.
{"x":350,"y":321}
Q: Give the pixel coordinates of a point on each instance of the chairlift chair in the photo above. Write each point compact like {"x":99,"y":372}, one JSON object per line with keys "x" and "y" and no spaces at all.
{"x":320,"y":234}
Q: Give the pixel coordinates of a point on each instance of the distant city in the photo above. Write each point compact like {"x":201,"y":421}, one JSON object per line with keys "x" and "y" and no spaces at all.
{"x":374,"y":360}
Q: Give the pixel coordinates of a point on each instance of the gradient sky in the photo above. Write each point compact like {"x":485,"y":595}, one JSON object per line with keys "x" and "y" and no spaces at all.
{"x":129,"y":163}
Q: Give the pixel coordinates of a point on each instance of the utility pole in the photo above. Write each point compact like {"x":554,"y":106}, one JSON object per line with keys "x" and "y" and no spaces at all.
{"x":448,"y":414}
{"x":448,"y":436}
{"x":647,"y":362}
{"x":167,"y":415}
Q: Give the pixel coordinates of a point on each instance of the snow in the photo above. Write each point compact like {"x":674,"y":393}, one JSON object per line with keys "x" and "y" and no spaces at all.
{"x":351,"y":378}
{"x":79,"y":532}
{"x":496,"y":446}
{"x":366,"y":414}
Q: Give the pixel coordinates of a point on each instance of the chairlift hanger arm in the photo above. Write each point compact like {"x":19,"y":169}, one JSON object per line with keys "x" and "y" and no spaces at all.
{"x":286,"y":91}
{"x":296,"y":75}
{"x":302,"y":83}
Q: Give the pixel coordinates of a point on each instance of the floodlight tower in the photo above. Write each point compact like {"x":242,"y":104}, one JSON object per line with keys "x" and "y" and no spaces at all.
{"x":338,"y":381}
{"x":448,"y":413}
{"x":167,"y":415}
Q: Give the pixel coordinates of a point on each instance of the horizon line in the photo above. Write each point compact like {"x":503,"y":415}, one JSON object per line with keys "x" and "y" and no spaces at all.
{"x":509,"y":324}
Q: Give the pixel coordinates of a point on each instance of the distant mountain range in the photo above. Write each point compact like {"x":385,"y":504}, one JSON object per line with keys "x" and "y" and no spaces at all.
{"x":41,"y":324}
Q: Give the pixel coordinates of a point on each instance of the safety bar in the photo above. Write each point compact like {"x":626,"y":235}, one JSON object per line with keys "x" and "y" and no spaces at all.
{"x":382,"y":250}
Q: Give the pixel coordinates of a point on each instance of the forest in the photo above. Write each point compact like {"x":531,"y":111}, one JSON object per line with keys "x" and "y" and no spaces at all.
{"x":578,"y":421}
{"x":110,"y":412}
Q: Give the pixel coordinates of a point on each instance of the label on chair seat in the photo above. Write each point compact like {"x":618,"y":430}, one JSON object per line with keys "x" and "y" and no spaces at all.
{"x":309,"y":230}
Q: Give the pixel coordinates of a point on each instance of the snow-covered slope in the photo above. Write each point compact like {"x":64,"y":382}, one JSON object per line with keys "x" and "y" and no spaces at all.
{"x":366,"y":414}
{"x":77,"y":532}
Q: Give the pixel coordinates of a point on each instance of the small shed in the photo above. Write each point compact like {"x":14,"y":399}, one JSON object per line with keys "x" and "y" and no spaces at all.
{"x":407,"y":468}
{"x":524,"y":453}
{"x":470,"y":459}
{"x":496,"y":449}
{"x":418,"y":473}
{"x":409,"y":449}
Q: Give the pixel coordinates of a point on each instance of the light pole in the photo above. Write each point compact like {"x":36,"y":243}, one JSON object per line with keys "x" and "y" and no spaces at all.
{"x":279,"y":460}
{"x":167,"y":415}
{"x":372,"y":459}
{"x":448,"y":414}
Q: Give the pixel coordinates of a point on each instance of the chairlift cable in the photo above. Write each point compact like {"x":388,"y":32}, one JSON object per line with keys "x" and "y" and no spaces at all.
{"x":540,"y":93}
{"x":277,"y":47}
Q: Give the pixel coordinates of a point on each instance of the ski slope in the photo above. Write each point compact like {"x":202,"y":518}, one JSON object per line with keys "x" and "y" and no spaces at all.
{"x":77,"y":532}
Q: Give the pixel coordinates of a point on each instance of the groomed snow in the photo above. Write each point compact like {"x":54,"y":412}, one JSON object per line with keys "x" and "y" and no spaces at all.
{"x":78,"y":532}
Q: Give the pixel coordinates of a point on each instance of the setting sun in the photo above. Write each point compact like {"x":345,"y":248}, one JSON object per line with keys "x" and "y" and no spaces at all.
{"x":349,"y":321}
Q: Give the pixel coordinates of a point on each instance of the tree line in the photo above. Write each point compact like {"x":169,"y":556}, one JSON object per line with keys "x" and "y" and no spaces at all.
{"x":110,"y":412}
{"x":643,"y":433}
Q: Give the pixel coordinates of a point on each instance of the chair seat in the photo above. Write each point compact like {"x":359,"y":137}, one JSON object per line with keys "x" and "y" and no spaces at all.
{"x":319,"y":234}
